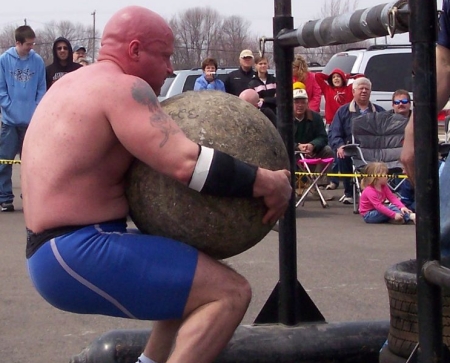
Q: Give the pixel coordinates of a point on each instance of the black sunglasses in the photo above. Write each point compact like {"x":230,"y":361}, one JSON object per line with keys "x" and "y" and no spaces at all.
{"x":403,"y":102}
{"x":62,"y":48}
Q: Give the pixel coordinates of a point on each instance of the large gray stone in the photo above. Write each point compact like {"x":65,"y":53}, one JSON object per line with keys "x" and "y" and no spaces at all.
{"x":220,"y":227}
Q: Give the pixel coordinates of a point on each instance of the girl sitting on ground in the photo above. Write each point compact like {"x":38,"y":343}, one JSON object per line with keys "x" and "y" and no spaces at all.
{"x":375,"y":192}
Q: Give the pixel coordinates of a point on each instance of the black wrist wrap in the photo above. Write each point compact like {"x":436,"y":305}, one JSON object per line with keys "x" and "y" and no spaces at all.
{"x":229,"y":177}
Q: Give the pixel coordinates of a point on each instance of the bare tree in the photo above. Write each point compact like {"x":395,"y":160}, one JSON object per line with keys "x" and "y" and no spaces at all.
{"x":74,"y":33}
{"x":196,"y":31}
{"x":203,"y":32}
{"x":331,"y":8}
{"x":7,"y":38}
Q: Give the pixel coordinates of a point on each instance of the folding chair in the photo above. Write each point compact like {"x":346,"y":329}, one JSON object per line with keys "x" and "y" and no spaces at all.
{"x":308,"y":181}
{"x":377,"y":136}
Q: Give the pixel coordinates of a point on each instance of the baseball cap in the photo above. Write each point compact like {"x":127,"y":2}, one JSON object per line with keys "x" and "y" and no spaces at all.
{"x":246,"y":53}
{"x":78,"y":47}
{"x":300,"y":93}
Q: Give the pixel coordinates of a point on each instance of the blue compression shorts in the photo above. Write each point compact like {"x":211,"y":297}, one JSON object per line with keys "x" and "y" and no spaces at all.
{"x":105,"y":269}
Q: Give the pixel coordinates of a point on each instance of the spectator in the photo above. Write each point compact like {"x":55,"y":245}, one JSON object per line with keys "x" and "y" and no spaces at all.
{"x":83,"y":61}
{"x":336,"y":90}
{"x":238,"y":80}
{"x":208,"y":80}
{"x":301,"y":74}
{"x":252,"y":97}
{"x":79,"y":51}
{"x":22,"y":85}
{"x":310,"y":135}
{"x":340,"y":132}
{"x":401,"y":102}
{"x":265,"y":84}
{"x":406,"y":193}
{"x":375,"y":192}
{"x":62,"y":61}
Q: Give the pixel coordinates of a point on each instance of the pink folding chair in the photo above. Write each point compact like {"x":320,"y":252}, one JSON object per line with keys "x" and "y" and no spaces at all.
{"x":304,"y":164}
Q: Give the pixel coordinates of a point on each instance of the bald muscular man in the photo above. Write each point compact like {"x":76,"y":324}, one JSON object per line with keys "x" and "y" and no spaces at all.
{"x":82,"y":139}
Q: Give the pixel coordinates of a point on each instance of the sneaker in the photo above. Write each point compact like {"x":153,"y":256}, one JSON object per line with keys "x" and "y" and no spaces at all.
{"x":412,"y":217}
{"x":331,"y":186}
{"x":347,"y":200}
{"x":7,"y":207}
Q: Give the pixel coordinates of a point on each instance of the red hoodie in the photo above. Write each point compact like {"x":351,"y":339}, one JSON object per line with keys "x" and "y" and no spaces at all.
{"x":335,"y":97}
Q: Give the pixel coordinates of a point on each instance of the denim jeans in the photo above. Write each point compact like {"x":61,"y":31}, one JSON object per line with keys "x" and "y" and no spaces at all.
{"x":376,"y":217}
{"x":444,"y":196}
{"x":11,"y":140}
{"x":345,"y":167}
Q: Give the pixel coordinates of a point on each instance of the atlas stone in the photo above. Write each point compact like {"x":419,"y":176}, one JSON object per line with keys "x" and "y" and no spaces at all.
{"x":220,"y":227}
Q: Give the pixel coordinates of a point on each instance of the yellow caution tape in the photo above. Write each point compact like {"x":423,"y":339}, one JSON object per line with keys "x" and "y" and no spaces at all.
{"x":10,"y":161}
{"x":400,"y":176}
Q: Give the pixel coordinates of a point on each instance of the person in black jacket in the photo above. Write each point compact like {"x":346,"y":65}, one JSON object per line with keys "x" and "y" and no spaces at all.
{"x":265,"y":84}
{"x":62,"y":61}
{"x":238,"y":80}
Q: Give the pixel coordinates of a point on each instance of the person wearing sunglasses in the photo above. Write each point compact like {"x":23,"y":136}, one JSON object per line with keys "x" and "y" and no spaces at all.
{"x":401,"y":102}
{"x":62,"y":61}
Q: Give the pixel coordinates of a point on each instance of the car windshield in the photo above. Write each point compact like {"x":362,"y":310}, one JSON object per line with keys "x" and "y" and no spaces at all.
{"x":165,"y":87}
{"x":343,"y":61}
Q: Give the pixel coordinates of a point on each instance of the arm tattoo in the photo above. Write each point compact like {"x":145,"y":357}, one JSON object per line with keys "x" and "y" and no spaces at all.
{"x":143,"y":94}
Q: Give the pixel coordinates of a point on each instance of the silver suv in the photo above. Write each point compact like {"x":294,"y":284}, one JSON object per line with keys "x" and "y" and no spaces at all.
{"x":389,"y":67}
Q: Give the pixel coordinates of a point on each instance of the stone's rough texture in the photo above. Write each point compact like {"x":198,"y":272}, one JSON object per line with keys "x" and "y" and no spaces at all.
{"x":220,"y":227}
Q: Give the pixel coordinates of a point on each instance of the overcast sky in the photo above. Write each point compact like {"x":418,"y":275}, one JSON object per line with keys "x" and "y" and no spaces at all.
{"x":258,"y":12}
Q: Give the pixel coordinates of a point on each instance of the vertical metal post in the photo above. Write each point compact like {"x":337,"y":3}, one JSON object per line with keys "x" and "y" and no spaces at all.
{"x":287,"y":304}
{"x":423,"y":34}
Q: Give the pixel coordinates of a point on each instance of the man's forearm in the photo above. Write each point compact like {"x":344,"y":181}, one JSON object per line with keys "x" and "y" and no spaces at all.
{"x":442,"y":75}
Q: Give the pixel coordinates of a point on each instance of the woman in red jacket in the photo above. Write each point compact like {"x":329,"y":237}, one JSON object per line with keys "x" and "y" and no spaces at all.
{"x":301,"y":74}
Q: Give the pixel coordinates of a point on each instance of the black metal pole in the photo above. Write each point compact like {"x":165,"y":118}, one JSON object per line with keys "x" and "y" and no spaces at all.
{"x":287,"y":235}
{"x":423,"y":35}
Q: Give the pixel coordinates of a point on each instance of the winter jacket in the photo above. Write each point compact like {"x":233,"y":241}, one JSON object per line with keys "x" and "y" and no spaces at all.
{"x":202,"y":84}
{"x":22,"y":86}
{"x":266,"y":90}
{"x":313,"y":91}
{"x":56,"y":70}
{"x":335,"y":97}
{"x":238,"y":80}
{"x":311,"y":130}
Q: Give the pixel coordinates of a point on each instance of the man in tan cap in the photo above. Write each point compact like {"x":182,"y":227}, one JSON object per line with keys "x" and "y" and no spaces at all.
{"x":238,"y":80}
{"x":310,"y":135}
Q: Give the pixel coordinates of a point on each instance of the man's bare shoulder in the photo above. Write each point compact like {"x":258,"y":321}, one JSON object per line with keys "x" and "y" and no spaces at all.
{"x":125,"y":89}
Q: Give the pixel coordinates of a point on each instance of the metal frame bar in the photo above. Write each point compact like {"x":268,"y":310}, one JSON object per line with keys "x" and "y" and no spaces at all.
{"x":423,"y":34}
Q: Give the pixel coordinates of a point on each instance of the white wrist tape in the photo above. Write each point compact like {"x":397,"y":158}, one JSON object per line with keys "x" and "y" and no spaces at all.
{"x":202,"y":167}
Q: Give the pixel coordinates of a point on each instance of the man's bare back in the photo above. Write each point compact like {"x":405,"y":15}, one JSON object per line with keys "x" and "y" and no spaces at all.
{"x":73,"y":164}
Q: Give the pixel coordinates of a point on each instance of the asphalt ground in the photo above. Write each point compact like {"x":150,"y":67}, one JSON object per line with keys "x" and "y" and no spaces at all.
{"x":341,"y":263}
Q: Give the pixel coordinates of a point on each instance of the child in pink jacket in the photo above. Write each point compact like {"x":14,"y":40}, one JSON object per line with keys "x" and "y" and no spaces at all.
{"x":376,"y":191}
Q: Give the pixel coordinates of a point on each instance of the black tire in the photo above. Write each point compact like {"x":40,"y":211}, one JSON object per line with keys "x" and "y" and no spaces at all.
{"x":401,"y":283}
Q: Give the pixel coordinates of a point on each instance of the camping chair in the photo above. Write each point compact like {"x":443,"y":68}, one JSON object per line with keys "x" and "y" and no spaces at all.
{"x":377,"y":136}
{"x":308,"y":181}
